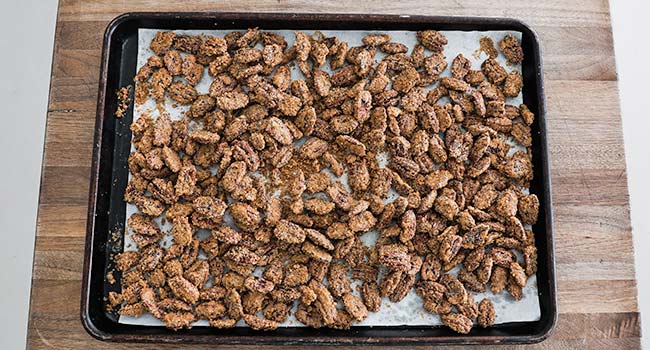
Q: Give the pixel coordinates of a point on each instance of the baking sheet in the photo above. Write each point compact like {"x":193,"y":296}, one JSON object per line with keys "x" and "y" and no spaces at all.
{"x":408,"y":311}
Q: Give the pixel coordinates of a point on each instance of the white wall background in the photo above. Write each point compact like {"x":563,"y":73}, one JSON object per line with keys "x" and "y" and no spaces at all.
{"x":630,"y":24}
{"x":26,"y":41}
{"x":26,"y":37}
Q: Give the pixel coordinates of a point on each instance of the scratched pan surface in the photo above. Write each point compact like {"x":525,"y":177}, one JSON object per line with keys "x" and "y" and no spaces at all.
{"x":106,"y":210}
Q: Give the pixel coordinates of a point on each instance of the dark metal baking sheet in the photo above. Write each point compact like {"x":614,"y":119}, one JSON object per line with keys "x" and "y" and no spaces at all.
{"x":109,"y":172}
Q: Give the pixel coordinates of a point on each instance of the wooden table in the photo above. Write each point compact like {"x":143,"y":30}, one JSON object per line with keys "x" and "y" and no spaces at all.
{"x":594,"y":252}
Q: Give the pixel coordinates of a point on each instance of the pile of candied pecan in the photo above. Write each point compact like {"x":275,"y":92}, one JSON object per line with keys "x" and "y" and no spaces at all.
{"x":273,"y":153}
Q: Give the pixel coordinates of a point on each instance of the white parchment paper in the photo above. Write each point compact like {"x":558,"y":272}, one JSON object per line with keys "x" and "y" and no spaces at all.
{"x":408,"y":311}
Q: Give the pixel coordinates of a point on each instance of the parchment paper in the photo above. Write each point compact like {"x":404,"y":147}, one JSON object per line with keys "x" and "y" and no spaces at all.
{"x":409,"y":311}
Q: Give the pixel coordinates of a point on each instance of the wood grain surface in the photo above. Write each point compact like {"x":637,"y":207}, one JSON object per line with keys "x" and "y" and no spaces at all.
{"x":594,"y":252}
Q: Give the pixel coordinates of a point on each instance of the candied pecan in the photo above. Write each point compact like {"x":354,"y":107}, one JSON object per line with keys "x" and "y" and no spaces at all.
{"x":343,"y":247}
{"x":430,"y":269}
{"x":337,"y":280}
{"x":362,"y":222}
{"x":227,"y":235}
{"x":449,"y":247}
{"x":340,"y":197}
{"x":460,"y":67}
{"x":502,"y":257}
{"x":289,"y":105}
{"x":126,"y":260}
{"x":431,"y":291}
{"x":389,"y":282}
{"x":313,"y":148}
{"x":289,"y":232}
{"x":212,"y":46}
{"x":319,"y":206}
{"x":160,"y":80}
{"x":494,"y":71}
{"x":344,"y":77}
{"x":143,"y":225}
{"x":455,"y":84}
{"x":309,"y":315}
{"x":279,"y":131}
{"x":530,"y":259}
{"x":457,"y":322}
{"x":339,"y":230}
{"x":192,"y":71}
{"x":473,"y":260}
{"x":325,"y":303}
{"x":259,"y":323}
{"x":406,"y":80}
{"x":474,"y":77}
{"x":187,"y":43}
{"x":302,"y":45}
{"x":246,"y":217}
{"x":376,"y":39}
{"x":307,"y":295}
{"x":183,"y":289}
{"x":446,"y":207}
{"x":296,"y":274}
{"x":162,"y":42}
{"x":479,"y":102}
{"x":317,"y":182}
{"x":484,"y":270}
{"x":522,"y":134}
{"x":404,"y":285}
{"x":476,"y":237}
{"x":322,"y":82}
{"x":435,"y":64}
{"x":519,"y":166}
{"x":485,"y":196}
{"x":514,"y":289}
{"x":232,"y":100}
{"x":182,"y":231}
{"x":486,"y":314}
{"x":204,"y":137}
{"x":259,"y":285}
{"x":211,"y":310}
{"x":391,"y":47}
{"x":219,"y":65}
{"x":526,"y":114}
{"x":364,"y":63}
{"x":114,"y":299}
{"x":182,"y":93}
{"x":223,"y":324}
{"x":149,"y":206}
{"x":471,"y":281}
{"x":498,"y":279}
{"x":148,"y":68}
{"x":408,"y":225}
{"x":370,"y":296}
{"x":318,"y":53}
{"x":233,"y":303}
{"x":455,"y":291}
{"x":513,"y":84}
{"x":242,"y":255}
{"x":355,"y":307}
{"x":202,"y":105}
{"x":277,"y":312}
{"x":511,"y":49}
{"x":432,"y":40}
{"x":517,"y":274}
{"x":506,"y":204}
{"x":395,"y":256}
{"x":528,"y":208}
{"x":178,"y":320}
